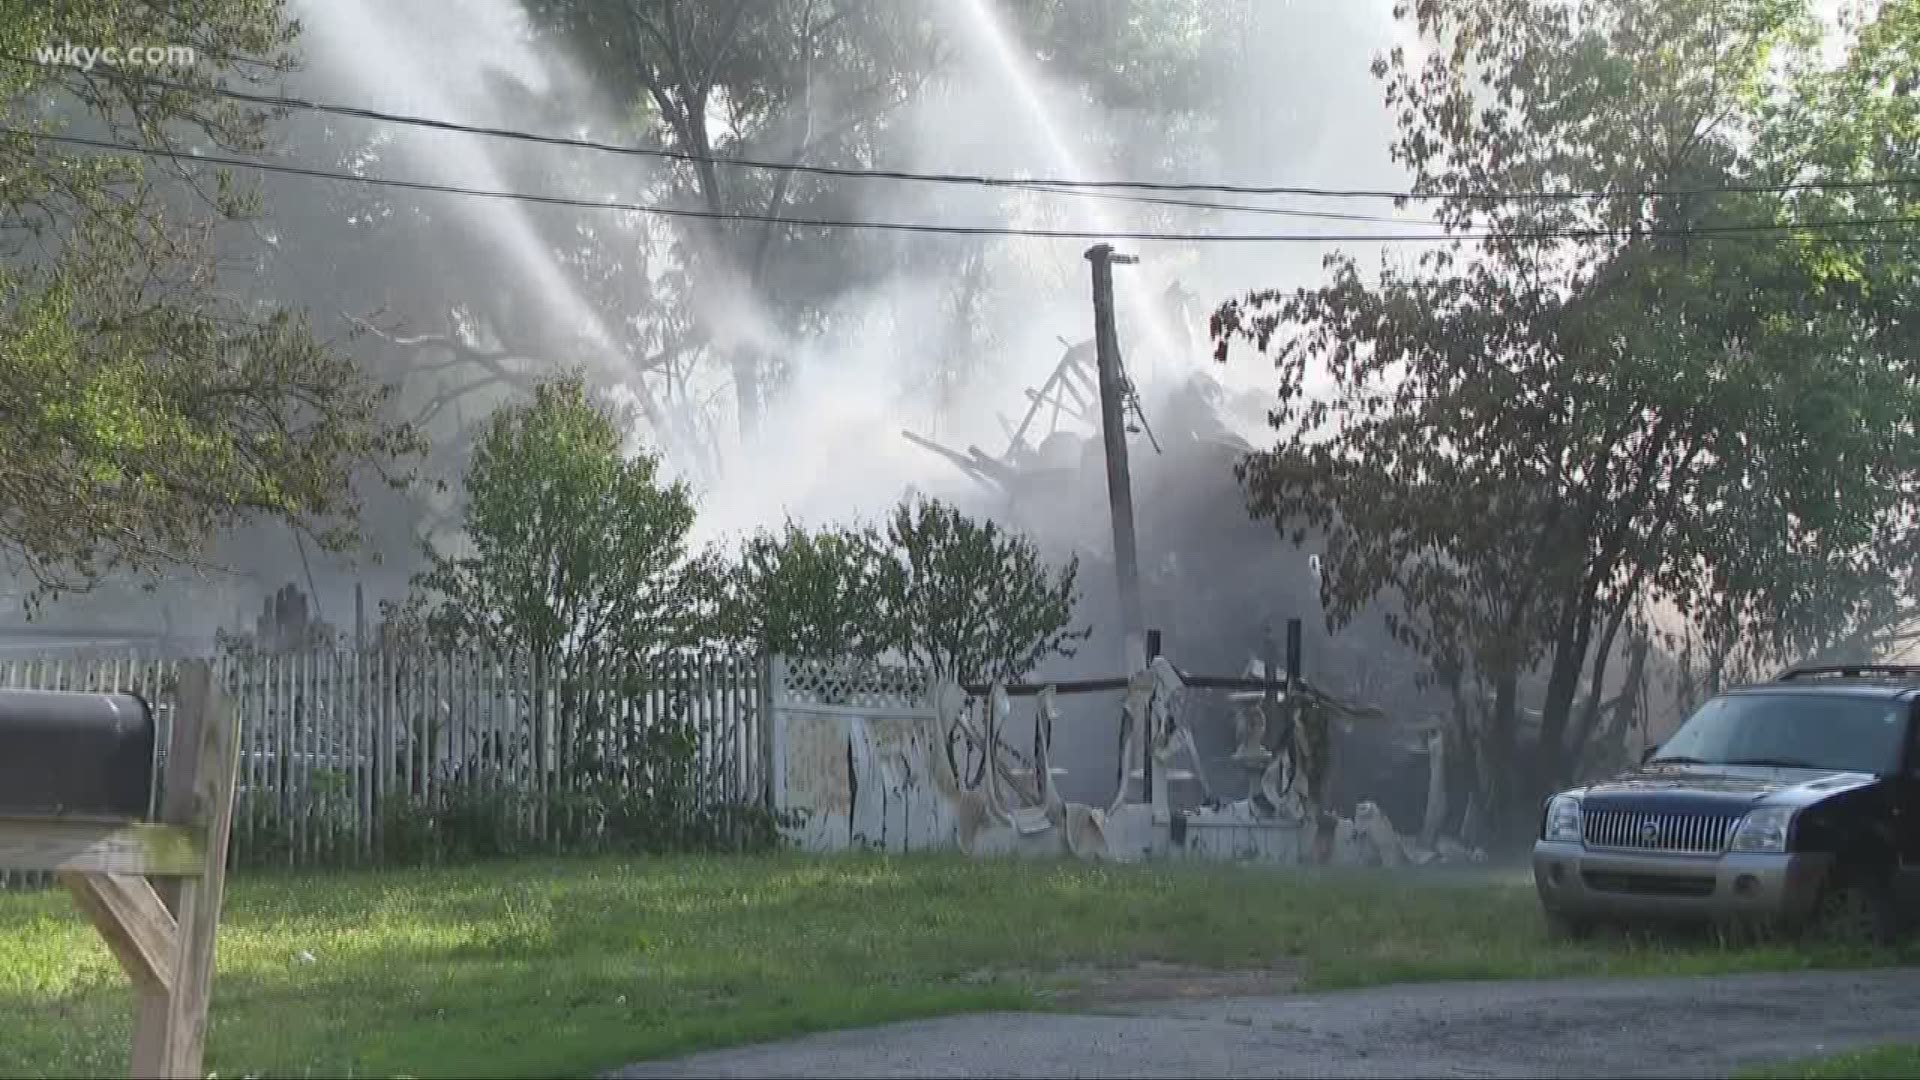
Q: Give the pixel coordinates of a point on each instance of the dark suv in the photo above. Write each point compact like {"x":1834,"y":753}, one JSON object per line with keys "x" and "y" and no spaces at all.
{"x":1793,"y":802}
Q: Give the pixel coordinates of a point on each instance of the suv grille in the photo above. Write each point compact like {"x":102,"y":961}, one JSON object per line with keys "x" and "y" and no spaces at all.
{"x":1638,"y":831}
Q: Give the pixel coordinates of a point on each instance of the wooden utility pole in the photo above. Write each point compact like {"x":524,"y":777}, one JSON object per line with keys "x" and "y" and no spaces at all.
{"x":1113,"y":431}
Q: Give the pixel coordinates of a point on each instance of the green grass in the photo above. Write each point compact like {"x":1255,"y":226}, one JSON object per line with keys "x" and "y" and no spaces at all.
{"x":567,"y":967}
{"x":1882,"y":1063}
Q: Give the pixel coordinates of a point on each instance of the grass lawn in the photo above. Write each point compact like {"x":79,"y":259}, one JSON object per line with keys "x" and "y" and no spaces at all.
{"x":1882,"y":1063}
{"x":567,"y":967}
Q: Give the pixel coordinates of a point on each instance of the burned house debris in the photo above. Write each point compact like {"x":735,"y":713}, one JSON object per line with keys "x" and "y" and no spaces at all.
{"x":872,"y":755}
{"x":1218,"y":584}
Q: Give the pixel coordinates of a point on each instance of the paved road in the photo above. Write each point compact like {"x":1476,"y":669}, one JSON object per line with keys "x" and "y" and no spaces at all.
{"x":1702,"y":1027}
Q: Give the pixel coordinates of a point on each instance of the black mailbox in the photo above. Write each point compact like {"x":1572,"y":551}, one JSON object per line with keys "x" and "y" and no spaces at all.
{"x":79,"y":754}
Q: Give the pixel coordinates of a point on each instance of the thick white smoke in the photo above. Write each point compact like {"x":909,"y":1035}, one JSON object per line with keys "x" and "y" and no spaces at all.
{"x":1295,"y":105}
{"x":1302,"y":110}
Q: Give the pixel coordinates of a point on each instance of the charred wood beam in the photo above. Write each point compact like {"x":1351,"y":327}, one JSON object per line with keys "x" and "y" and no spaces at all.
{"x":1112,"y":683}
{"x":1063,"y":686}
{"x":1076,"y":361}
{"x":1017,"y":439}
{"x":966,"y":464}
{"x":1058,"y":402}
{"x":1080,"y":399}
{"x":989,"y":466}
{"x":1080,"y":363}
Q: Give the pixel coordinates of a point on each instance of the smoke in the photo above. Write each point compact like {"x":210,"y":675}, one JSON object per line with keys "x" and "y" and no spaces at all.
{"x":1296,"y":105}
{"x":940,"y":335}
{"x":385,"y":54}
{"x":1293,"y":104}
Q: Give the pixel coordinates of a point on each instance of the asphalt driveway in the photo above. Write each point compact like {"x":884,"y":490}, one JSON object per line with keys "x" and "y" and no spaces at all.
{"x":1705,"y":1027}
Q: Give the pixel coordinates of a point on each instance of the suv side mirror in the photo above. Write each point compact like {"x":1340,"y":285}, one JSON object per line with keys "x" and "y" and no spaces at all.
{"x":1647,"y":754}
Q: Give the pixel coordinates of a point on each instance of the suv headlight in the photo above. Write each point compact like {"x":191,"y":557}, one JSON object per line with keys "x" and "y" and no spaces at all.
{"x":1563,"y":820}
{"x":1762,"y":830}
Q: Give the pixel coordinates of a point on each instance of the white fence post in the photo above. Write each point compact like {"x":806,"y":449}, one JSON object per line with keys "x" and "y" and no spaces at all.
{"x":775,"y":706}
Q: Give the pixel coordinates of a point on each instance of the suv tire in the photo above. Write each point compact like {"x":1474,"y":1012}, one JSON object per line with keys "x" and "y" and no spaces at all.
{"x":1852,"y":911}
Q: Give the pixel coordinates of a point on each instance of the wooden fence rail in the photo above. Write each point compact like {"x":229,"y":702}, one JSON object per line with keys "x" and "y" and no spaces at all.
{"x":337,"y":746}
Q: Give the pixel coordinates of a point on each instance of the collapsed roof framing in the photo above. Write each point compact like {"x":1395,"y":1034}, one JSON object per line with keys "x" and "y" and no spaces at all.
{"x":1072,"y":390}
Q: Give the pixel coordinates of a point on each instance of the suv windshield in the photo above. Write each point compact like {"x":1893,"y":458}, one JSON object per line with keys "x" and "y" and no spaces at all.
{"x":1839,"y":732}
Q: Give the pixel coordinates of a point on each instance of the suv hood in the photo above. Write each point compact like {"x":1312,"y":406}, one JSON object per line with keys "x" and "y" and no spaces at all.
{"x":1724,"y":788}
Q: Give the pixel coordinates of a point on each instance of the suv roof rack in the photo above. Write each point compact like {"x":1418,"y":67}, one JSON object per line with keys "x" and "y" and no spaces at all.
{"x":1849,"y":671}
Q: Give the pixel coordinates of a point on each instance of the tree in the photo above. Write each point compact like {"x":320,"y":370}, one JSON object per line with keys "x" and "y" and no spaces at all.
{"x":833,"y":83}
{"x":802,"y":81}
{"x":141,"y":412}
{"x":578,"y":562}
{"x":1156,"y":66}
{"x":1530,"y":440}
{"x":578,"y":554}
{"x":1854,"y":124}
{"x":971,"y":601}
{"x":457,"y":322}
{"x":811,"y":595}
{"x":937,"y":589}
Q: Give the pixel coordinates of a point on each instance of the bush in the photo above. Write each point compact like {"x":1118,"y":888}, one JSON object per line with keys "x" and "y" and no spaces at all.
{"x":633,"y":790}
{"x":961,"y":597}
{"x":466,"y":821}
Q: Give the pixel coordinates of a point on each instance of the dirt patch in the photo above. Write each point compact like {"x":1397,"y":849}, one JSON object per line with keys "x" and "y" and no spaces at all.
{"x":1085,"y":987}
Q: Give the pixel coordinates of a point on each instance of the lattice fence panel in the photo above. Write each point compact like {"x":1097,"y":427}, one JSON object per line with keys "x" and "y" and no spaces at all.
{"x":858,"y":684}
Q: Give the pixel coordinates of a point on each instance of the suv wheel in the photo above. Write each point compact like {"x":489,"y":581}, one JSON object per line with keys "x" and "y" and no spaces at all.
{"x":1856,"y":913}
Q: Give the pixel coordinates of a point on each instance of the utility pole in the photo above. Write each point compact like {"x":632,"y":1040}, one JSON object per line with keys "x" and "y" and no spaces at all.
{"x":1113,"y":430}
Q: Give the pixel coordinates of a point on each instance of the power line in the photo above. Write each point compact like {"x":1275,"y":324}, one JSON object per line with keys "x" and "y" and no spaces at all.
{"x":981,"y":180}
{"x":1042,"y":185}
{"x":1240,"y":208}
{"x":1777,"y":230}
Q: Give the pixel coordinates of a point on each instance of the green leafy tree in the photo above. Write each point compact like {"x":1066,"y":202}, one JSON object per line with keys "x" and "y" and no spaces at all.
{"x":1529,"y":439}
{"x":577,"y":553}
{"x":1853,"y":125}
{"x":972,"y":601}
{"x":1156,"y":64}
{"x":935,"y":588}
{"x":577,"y":561}
{"x":141,"y":412}
{"x":812,"y":595}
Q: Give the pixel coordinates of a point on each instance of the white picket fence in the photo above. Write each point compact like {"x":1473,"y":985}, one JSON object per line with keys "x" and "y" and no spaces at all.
{"x":334,"y":742}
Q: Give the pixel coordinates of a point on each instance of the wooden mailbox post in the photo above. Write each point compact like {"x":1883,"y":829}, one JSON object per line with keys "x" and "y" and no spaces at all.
{"x":149,"y":872}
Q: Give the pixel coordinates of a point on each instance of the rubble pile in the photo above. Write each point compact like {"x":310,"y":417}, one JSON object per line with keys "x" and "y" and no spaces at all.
{"x":1366,"y":839}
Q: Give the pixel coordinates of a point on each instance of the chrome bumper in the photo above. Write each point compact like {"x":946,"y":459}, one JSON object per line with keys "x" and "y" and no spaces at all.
{"x":1576,"y":881}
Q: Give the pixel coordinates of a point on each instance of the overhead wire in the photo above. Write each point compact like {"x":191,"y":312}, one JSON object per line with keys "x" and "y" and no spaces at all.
{"x":1039,"y":185}
{"x":1238,"y":208}
{"x":1062,"y":185}
{"x":1780,"y":230}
